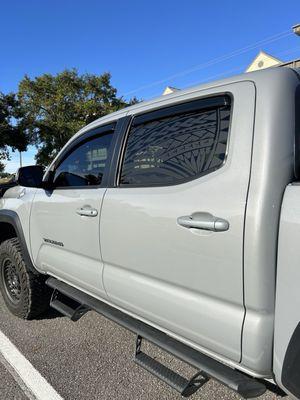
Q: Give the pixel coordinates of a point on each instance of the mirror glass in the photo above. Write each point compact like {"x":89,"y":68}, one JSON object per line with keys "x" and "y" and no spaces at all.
{"x":31,"y":176}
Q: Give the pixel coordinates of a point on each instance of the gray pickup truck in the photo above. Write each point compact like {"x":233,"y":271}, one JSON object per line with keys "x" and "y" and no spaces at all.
{"x":178,"y":218}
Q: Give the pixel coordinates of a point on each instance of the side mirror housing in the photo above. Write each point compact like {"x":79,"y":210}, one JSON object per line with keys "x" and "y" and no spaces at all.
{"x":31,"y":176}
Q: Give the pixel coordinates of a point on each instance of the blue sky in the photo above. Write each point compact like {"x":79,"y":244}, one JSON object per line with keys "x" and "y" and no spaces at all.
{"x":146,"y":45}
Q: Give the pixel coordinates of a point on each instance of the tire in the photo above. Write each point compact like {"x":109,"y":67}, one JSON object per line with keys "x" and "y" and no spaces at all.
{"x":24,"y":290}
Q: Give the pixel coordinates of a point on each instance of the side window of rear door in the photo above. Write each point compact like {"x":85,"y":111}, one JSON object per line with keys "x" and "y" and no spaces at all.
{"x":176,"y":147}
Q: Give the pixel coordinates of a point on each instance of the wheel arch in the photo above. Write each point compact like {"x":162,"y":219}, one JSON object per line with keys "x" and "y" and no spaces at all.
{"x":11,"y":227}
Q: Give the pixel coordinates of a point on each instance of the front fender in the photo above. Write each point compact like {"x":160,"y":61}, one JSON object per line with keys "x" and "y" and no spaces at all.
{"x":11,"y":218}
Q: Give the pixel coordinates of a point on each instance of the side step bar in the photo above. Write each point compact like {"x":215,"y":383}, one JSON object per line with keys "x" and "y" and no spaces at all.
{"x":67,"y":306}
{"x":246,"y":386}
{"x":186,"y":387}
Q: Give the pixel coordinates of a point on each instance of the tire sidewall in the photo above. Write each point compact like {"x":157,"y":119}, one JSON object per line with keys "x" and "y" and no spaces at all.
{"x":7,"y":251}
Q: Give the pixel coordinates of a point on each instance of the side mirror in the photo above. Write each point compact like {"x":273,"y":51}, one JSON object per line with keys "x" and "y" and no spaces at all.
{"x":47,"y":182}
{"x":31,"y":176}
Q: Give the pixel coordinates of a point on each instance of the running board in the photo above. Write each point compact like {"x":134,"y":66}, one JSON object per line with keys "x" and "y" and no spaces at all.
{"x":245,"y":385}
{"x":186,"y":387}
{"x":67,"y":306}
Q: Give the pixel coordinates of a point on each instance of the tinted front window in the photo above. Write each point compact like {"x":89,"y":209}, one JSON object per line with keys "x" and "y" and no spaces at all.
{"x":177,"y":148}
{"x":85,"y":165}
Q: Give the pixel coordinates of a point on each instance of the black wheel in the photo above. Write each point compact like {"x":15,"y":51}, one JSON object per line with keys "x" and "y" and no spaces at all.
{"x":24,"y":290}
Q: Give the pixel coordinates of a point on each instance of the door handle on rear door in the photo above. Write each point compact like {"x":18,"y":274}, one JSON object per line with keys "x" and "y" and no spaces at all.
{"x":87,"y":211}
{"x":205,"y":221}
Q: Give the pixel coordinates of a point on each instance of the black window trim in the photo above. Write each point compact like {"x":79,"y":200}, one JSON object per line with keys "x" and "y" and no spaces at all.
{"x":111,"y":127}
{"x":213,"y":101}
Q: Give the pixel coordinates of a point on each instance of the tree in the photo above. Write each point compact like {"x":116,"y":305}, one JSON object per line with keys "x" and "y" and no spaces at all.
{"x":12,"y":131}
{"x":5,"y":176}
{"x":54,"y":107}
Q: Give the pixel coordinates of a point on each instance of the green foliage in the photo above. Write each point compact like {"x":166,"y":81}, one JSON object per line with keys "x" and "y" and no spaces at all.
{"x":5,"y":177}
{"x":12,"y":132}
{"x":4,"y":131}
{"x":2,"y":157}
{"x":54,"y":107}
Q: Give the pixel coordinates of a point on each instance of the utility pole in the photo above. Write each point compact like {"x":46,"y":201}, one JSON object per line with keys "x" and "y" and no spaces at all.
{"x":20,"y":153}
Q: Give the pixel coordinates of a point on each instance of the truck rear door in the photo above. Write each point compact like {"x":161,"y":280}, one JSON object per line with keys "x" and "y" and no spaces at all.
{"x":172,"y":225}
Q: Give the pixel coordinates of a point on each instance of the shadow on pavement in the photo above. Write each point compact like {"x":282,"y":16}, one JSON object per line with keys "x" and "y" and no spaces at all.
{"x":49,"y":314}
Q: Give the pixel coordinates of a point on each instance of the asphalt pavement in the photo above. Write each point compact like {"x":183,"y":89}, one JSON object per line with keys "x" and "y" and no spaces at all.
{"x":91,"y":359}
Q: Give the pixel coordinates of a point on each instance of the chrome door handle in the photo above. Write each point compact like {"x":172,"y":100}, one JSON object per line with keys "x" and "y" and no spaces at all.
{"x":87,"y":211}
{"x":205,"y":221}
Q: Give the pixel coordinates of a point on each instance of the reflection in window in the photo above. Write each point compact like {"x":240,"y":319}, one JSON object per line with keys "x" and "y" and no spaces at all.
{"x":85,"y":165}
{"x":173,"y":149}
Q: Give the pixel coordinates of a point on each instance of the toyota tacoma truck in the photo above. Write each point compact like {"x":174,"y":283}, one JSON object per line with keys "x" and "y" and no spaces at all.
{"x":179,"y":219}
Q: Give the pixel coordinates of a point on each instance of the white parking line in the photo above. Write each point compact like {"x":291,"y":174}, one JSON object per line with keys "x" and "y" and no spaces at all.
{"x":24,"y":373}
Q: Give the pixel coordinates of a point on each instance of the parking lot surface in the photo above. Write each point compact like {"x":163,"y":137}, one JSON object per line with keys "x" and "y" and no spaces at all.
{"x":90,"y":359}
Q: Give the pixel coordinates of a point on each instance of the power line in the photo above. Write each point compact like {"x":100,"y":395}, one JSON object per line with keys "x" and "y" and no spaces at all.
{"x":288,"y":51}
{"x":209,"y":63}
{"x":209,"y":78}
{"x":224,"y":73}
{"x":239,"y":69}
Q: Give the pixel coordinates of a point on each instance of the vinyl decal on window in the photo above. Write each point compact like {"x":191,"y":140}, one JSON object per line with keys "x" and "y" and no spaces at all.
{"x":177,"y":148}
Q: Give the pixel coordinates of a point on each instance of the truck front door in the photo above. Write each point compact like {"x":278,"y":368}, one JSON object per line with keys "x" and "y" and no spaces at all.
{"x":65,"y":221}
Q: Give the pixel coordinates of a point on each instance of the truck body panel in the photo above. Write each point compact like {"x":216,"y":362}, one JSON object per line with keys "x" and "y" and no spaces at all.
{"x":271,"y":170}
{"x":287,"y":316}
{"x":61,"y":239}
